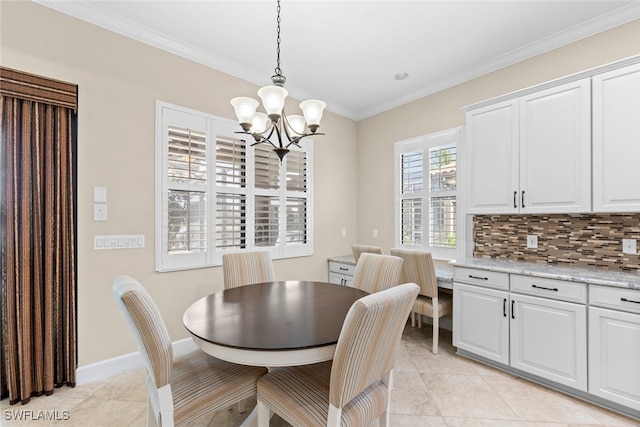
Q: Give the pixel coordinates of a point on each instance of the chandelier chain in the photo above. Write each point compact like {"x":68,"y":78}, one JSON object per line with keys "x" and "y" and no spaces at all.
{"x":278,"y":70}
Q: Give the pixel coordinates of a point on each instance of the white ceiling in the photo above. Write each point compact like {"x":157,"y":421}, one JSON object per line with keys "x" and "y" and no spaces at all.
{"x":348,"y":52}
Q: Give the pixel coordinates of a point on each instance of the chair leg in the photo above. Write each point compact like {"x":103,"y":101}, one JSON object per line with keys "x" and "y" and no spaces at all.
{"x":242,"y":404}
{"x":436,"y":333}
{"x":413,"y":319}
{"x":334,"y":416}
{"x":151,"y":416}
{"x":384,"y":420}
{"x":264,"y":415}
{"x":419,"y":320}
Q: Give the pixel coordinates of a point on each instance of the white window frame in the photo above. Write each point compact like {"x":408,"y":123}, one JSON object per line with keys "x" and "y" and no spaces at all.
{"x":423,"y":144}
{"x":168,"y":114}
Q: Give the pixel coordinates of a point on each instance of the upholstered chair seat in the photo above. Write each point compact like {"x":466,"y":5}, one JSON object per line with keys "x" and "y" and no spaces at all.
{"x":180,"y":390}
{"x":418,"y":267}
{"x":355,"y":388}
{"x":376,"y":273}
{"x":361,"y":249}
{"x":246,"y":268}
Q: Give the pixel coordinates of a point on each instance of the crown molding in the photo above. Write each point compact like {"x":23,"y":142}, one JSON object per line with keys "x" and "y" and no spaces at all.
{"x":85,"y":11}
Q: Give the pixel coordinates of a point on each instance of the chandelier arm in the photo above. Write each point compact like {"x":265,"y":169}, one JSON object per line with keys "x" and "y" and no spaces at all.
{"x":277,"y":124}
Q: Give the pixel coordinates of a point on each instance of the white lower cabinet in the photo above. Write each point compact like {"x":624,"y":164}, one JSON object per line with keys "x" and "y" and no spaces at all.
{"x":541,"y":328}
{"x":546,"y":328}
{"x":341,"y":273}
{"x":480,"y":322}
{"x":614,"y":346}
{"x":549,"y":339}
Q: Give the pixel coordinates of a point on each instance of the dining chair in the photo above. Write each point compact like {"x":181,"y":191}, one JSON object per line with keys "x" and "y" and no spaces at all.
{"x":355,"y":388}
{"x":418,"y":268}
{"x":182,"y":389}
{"x":246,"y":268}
{"x":375,"y":273}
{"x":361,"y":249}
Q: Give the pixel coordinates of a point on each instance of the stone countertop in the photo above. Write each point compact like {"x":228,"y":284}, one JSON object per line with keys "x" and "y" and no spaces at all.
{"x":552,"y":271}
{"x":443,"y":273}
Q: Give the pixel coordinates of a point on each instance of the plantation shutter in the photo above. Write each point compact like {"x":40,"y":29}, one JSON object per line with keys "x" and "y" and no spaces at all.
{"x":231,"y":197}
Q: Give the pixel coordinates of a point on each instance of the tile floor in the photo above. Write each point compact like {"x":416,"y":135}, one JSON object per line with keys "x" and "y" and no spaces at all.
{"x":443,"y":391}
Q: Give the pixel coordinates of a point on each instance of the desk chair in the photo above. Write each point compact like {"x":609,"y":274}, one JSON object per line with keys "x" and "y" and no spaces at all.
{"x":180,"y":390}
{"x":375,"y":273}
{"x":418,"y":268}
{"x":246,"y":268}
{"x":355,"y":388}
{"x":361,"y":249}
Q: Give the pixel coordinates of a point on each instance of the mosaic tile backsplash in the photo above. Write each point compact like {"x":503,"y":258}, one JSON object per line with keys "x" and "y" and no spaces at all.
{"x":585,"y":240}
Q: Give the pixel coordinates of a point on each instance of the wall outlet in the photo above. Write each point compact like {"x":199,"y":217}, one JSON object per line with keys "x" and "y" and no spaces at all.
{"x":375,"y":233}
{"x":532,"y":241}
{"x":629,"y":246}
{"x":344,"y":232}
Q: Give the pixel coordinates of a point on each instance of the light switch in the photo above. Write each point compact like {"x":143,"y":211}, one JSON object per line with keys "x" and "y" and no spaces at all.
{"x":99,"y":195}
{"x":99,"y":211}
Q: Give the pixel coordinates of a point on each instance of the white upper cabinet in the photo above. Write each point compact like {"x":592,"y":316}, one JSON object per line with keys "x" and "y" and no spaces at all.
{"x":555,"y":149}
{"x":532,"y":154}
{"x":492,"y":134}
{"x":616,"y":140}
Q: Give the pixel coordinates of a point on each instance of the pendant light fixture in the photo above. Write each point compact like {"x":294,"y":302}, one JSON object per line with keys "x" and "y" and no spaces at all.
{"x":286,"y":130}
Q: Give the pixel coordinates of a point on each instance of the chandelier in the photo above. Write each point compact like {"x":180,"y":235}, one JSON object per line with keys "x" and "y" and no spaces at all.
{"x":275,"y":123}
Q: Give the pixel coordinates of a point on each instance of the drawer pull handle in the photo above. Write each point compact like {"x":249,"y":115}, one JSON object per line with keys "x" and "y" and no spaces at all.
{"x":546,"y":289}
{"x":523,"y":198}
{"x":629,"y":300}
{"x":513,"y":312}
{"x":514,"y":199}
{"x":504,"y":307}
{"x":479,"y":278}
{"x":343,"y":269}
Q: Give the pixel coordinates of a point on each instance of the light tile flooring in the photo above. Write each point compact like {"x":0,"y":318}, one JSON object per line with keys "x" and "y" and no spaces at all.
{"x":444,"y":391}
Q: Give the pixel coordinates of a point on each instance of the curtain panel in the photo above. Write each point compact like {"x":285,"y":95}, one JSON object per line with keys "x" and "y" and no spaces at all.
{"x":38,"y":253}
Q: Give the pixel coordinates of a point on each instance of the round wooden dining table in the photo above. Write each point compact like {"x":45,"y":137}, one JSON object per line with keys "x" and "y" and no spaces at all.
{"x":272,"y":324}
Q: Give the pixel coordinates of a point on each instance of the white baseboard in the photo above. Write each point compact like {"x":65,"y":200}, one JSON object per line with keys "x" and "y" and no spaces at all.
{"x":107,"y":368}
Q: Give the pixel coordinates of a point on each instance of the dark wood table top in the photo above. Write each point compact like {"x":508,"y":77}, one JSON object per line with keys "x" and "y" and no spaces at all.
{"x":273,"y":316}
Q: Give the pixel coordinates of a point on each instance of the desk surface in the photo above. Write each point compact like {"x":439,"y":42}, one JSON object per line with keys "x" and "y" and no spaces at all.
{"x":269,"y":323}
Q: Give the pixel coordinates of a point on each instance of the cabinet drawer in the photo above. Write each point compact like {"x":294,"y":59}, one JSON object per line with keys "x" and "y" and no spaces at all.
{"x":338,"y":267}
{"x":549,"y":288}
{"x":615,"y":298}
{"x":486,"y":278}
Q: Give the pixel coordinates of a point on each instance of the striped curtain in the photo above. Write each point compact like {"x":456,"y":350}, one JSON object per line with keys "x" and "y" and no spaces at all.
{"x":37,"y":234}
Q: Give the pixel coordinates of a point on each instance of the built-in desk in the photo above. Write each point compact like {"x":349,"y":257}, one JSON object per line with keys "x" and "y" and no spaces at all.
{"x":342,"y":269}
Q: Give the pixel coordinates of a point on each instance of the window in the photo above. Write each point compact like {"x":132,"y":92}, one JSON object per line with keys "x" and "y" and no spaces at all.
{"x":217,"y":194}
{"x":426,"y":193}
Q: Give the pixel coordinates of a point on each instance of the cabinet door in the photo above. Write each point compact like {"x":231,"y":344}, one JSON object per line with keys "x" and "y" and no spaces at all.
{"x":492,"y":141}
{"x":549,"y":339}
{"x":614,"y":356}
{"x":616,"y":140}
{"x":555,"y":149}
{"x":336,"y":278}
{"x":480,"y":322}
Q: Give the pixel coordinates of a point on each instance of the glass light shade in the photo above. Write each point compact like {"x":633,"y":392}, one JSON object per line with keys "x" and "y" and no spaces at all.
{"x":245,"y":108}
{"x":260,"y":123}
{"x":312,"y":110}
{"x":273,"y":99}
{"x":297,"y":124}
